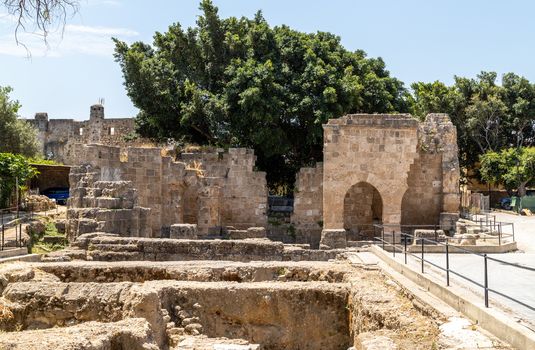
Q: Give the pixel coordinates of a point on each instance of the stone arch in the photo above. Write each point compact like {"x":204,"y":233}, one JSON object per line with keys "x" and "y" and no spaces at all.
{"x":363,"y":207}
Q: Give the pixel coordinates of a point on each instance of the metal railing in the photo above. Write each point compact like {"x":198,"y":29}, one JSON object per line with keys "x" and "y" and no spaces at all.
{"x":388,"y":239}
{"x":496,"y":232}
{"x":485,"y":219}
{"x":10,"y":219}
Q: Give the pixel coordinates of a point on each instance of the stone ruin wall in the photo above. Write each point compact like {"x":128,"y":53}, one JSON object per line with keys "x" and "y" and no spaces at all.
{"x":213,"y":190}
{"x":409,"y":168}
{"x":104,"y":206}
{"x":58,"y":137}
{"x":307,"y":216}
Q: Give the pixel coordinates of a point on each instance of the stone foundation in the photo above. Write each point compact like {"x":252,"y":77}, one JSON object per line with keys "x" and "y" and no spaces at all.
{"x":198,"y":305}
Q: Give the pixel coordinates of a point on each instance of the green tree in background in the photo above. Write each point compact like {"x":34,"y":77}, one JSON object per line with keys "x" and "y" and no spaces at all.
{"x":489,"y":117}
{"x":514,"y":168}
{"x":240,"y":82}
{"x":13,"y":168}
{"x":17,"y":136}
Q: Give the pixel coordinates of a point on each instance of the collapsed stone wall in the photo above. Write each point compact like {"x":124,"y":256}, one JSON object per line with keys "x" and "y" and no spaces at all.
{"x":109,"y":206}
{"x":412,"y":167}
{"x":212,"y":189}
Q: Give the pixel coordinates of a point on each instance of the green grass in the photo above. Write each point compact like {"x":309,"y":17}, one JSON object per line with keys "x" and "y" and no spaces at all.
{"x":39,"y":247}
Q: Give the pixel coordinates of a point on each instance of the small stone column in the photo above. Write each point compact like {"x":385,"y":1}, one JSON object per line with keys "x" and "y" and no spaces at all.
{"x":333,"y":239}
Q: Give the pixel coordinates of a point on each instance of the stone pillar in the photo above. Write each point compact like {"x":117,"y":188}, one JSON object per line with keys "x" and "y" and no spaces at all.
{"x":450,"y":161}
{"x":209,"y":208}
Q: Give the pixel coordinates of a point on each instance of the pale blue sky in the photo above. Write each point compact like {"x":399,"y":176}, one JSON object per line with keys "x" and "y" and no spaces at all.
{"x":419,"y":41}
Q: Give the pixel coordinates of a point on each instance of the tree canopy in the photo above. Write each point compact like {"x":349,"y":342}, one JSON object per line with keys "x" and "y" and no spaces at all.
{"x":489,"y":117}
{"x":18,"y":136}
{"x":240,"y":82}
{"x":514,"y":168}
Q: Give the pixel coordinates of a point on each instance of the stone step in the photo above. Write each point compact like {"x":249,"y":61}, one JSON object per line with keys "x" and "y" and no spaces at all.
{"x":114,"y":247}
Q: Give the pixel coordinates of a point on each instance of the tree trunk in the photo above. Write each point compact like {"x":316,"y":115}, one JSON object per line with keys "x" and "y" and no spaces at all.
{"x":522,"y":189}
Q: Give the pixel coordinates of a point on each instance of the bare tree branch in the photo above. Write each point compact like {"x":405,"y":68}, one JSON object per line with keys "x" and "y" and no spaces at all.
{"x":42,"y":15}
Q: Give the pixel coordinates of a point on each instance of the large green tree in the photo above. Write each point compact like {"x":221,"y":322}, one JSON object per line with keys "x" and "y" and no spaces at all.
{"x":17,"y":136}
{"x":488,"y":116}
{"x":514,"y":168}
{"x":240,"y":82}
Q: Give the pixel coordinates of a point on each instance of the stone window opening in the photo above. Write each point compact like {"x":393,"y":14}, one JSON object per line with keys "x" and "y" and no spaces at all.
{"x":112,"y":131}
{"x":81,"y":131}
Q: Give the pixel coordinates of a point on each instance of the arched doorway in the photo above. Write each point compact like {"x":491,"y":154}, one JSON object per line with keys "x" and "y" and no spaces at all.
{"x":363,"y":207}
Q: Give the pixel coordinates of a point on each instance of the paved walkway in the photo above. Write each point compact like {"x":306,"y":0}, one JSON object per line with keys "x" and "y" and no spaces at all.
{"x":512,"y":281}
{"x":524,"y":230}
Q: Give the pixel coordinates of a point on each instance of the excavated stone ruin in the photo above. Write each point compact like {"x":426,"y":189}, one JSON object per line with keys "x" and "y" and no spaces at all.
{"x":206,"y":305}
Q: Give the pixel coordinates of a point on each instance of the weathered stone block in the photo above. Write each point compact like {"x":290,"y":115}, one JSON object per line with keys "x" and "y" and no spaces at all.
{"x":333,"y":239}
{"x":448,"y":221}
{"x":183,"y":231}
{"x":427,"y":236}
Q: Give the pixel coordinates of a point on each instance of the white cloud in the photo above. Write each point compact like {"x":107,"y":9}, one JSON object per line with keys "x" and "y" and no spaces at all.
{"x":113,"y":3}
{"x":74,"y":39}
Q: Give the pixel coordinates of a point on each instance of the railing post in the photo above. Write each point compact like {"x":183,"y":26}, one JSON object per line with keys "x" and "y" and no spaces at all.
{"x":447,"y":263}
{"x":383,"y":237}
{"x":405,"y":246}
{"x":20,"y":235}
{"x":422,"y":241}
{"x":394,"y":243}
{"x":436,"y":236}
{"x":486,"y":281}
{"x":500,"y":234}
{"x":3,"y":228}
{"x":513,"y":227}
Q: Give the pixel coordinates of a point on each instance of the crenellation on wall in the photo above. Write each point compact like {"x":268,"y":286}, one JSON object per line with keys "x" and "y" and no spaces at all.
{"x":58,"y":137}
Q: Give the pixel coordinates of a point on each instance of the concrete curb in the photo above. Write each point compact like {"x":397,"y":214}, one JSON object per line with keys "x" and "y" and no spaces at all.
{"x":13,"y":252}
{"x":24,"y":258}
{"x":492,"y":320}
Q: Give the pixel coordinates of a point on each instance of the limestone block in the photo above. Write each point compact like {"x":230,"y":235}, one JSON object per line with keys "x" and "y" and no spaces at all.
{"x":183,"y":231}
{"x":333,"y":239}
{"x":451,"y":202}
{"x":256,"y":232}
{"x":370,"y":341}
{"x":426,"y":235}
{"x":237,"y":234}
{"x":61,"y":225}
{"x":468,"y":239}
{"x":448,"y":221}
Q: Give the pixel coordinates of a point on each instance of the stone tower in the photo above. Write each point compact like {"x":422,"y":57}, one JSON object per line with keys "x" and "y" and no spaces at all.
{"x":96,"y":112}
{"x":96,"y":119}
